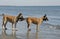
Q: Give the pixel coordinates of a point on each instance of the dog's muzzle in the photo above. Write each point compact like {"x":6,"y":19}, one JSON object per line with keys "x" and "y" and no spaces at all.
{"x":21,"y":19}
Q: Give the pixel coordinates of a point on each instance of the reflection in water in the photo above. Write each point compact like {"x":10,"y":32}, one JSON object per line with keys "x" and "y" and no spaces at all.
{"x":6,"y":36}
{"x":32,"y":36}
{"x":13,"y":35}
{"x":36,"y":35}
{"x":28,"y":34}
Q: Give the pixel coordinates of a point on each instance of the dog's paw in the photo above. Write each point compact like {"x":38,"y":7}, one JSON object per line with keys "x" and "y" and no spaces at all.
{"x":5,"y":28}
{"x":29,"y":29}
{"x":14,"y":30}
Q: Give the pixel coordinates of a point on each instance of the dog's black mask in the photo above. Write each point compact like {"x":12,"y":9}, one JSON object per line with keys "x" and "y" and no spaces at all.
{"x":21,"y":18}
{"x":45,"y":18}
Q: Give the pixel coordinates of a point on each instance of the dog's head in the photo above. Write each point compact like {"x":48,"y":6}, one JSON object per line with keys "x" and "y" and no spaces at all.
{"x":20,"y":17}
{"x":45,"y":18}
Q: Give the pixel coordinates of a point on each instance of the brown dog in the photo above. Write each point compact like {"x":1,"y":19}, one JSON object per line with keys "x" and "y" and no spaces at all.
{"x":34,"y":20}
{"x":11,"y":19}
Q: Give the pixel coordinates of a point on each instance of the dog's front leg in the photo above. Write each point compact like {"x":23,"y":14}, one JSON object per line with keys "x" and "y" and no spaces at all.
{"x":14,"y":27}
{"x":37,"y":28}
{"x":4,"y":27}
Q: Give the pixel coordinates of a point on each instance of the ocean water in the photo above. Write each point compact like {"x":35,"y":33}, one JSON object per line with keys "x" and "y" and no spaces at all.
{"x":48,"y":30}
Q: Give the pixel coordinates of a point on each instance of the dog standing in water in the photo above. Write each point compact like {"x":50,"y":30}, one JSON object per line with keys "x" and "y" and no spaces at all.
{"x":37,"y":21}
{"x":11,"y":19}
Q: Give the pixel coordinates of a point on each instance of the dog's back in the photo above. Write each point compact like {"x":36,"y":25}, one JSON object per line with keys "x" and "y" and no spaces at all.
{"x":9,"y":18}
{"x":33,"y":20}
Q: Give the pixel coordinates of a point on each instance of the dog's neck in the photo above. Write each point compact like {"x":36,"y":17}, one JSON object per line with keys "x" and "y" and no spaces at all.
{"x":41,"y":19}
{"x":17,"y":20}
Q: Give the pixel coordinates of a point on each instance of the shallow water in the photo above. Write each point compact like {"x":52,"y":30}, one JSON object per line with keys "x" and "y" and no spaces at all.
{"x":44,"y":32}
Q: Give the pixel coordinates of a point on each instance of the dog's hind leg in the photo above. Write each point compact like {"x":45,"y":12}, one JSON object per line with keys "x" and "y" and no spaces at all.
{"x":4,"y":25}
{"x":28,"y":26}
{"x":14,"y":26}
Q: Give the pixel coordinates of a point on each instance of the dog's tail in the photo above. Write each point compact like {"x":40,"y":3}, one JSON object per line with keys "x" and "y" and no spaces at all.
{"x":1,"y":14}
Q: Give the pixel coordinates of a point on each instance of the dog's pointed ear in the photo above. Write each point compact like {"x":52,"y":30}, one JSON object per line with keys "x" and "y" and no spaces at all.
{"x":3,"y":14}
{"x":19,"y":14}
{"x":45,"y":15}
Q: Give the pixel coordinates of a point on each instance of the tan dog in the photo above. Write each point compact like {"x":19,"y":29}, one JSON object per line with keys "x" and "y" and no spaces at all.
{"x":11,"y":19}
{"x":34,"y":20}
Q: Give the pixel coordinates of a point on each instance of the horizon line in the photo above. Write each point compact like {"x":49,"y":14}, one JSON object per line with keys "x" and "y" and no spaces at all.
{"x":31,"y":5}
